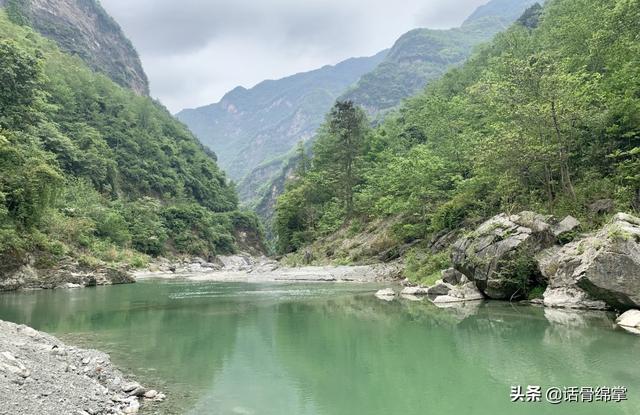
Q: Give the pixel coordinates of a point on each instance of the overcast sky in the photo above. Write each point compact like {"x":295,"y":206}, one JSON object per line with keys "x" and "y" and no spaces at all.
{"x":196,"y":50}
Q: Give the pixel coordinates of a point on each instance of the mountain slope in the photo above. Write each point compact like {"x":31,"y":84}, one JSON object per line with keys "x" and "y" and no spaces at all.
{"x":251,"y":126}
{"x":418,"y":57}
{"x":83,"y":28}
{"x":423,"y":55}
{"x":544,"y":118}
{"x":92,"y":174}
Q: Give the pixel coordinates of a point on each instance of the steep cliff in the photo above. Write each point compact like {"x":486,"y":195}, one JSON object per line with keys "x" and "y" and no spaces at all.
{"x":83,"y":28}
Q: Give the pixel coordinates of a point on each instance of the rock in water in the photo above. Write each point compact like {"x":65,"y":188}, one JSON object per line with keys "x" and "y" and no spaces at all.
{"x":499,"y":255}
{"x":630,"y":321}
{"x":414,"y":291}
{"x":603,"y":267}
{"x":386,"y":294}
{"x":440,"y":289}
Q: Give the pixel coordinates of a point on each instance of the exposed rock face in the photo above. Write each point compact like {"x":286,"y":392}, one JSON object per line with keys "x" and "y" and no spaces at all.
{"x":602,"y":267}
{"x":453,"y":276}
{"x":499,"y":255}
{"x":67,"y":274}
{"x":83,"y":28}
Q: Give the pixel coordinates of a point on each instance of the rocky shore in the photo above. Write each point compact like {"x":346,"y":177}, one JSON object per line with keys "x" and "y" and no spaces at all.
{"x":41,"y":375}
{"x":247,"y":268}
{"x":68,"y":273}
{"x":538,"y":259}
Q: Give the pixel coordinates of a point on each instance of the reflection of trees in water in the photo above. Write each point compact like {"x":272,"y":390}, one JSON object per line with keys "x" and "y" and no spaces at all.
{"x":362,"y":356}
{"x":518,"y":345}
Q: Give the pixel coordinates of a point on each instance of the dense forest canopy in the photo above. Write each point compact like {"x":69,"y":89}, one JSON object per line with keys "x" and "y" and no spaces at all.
{"x":546,"y":118}
{"x":90,"y":169}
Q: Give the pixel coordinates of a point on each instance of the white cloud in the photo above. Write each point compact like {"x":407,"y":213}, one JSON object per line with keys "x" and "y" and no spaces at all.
{"x":196,"y":50}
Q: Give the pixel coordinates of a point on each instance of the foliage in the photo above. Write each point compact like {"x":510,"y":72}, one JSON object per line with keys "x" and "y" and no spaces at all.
{"x":91,"y":170}
{"x":545,"y":118}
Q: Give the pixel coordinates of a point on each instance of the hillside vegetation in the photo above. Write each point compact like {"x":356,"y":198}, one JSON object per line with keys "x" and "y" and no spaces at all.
{"x":93,"y":171}
{"x":423,"y":55}
{"x":545,"y":118}
{"x":416,"y":59}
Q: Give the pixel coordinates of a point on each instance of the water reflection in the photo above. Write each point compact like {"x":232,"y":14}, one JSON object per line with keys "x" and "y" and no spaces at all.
{"x":335,"y":349}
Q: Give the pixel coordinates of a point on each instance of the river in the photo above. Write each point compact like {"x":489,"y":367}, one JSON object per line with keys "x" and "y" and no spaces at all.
{"x":335,"y":349}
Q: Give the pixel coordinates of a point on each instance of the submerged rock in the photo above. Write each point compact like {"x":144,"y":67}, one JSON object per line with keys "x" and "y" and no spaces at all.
{"x":603,"y":267}
{"x":499,"y":255}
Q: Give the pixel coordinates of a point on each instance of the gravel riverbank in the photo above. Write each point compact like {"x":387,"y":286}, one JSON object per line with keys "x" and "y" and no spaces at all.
{"x":41,"y":375}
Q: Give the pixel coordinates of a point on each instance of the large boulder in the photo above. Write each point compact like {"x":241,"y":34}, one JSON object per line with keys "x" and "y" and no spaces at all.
{"x":460,"y":293}
{"x":630,"y":321}
{"x":499,"y":255}
{"x":603,"y":267}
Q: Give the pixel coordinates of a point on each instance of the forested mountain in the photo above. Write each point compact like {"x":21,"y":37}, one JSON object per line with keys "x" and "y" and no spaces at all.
{"x":94,"y":172}
{"x":83,"y":28}
{"x":259,"y":153}
{"x":423,"y":55}
{"x":544,"y":118}
{"x":251,"y":126}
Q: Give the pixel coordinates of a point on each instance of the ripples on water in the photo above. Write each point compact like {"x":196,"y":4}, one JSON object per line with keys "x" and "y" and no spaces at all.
{"x":334,"y":349}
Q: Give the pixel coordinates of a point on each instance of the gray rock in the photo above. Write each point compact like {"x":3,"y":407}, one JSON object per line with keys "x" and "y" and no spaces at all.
{"x":139,"y":391}
{"x":603,"y":266}
{"x":462,"y":293}
{"x":387,"y":294}
{"x":414,"y":291}
{"x":452,"y":276}
{"x":603,"y":206}
{"x":130,"y":386}
{"x":440,"y":289}
{"x":571,"y":297}
{"x":505,"y":243}
{"x":565,"y":227}
{"x":150,"y":394}
{"x":630,"y":321}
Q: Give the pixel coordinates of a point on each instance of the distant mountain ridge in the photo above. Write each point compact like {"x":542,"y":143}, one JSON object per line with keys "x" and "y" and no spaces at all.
{"x":251,"y":126}
{"x":423,"y":55}
{"x":261,"y":160}
{"x":83,"y":28}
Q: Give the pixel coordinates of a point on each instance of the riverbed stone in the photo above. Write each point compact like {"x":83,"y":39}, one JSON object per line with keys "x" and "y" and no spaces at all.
{"x":37,"y":376}
{"x":499,"y":255}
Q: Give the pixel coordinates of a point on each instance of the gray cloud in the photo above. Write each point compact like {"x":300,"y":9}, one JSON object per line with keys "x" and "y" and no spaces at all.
{"x":196,"y":50}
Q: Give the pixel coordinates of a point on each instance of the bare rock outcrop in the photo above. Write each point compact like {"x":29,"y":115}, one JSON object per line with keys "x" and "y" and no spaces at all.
{"x":499,"y":255}
{"x":601,"y":269}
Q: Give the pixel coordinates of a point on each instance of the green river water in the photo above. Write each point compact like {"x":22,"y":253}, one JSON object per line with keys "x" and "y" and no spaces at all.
{"x":335,"y":349}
